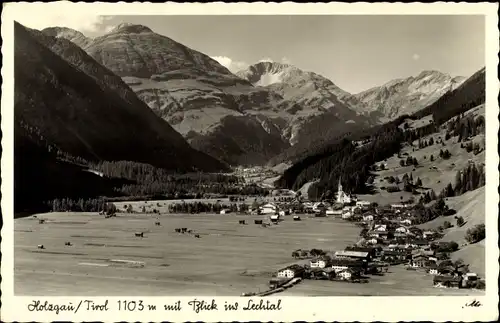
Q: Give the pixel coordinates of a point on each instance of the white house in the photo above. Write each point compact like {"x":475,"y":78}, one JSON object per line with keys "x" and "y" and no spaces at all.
{"x":337,"y":213}
{"x":406,"y":222}
{"x":363,"y":204}
{"x":269,"y":209}
{"x":281,"y":213}
{"x":433,"y":271}
{"x":380,"y":228}
{"x":317,"y":263}
{"x":319,"y":206}
{"x":347,"y":209}
{"x":372,"y":241}
{"x":470,"y":277}
{"x":428,"y":234}
{"x":346,"y":274}
{"x":402,"y":230}
{"x":368,"y":217}
{"x":346,"y":215}
{"x":398,"y":206}
{"x":339,"y":267}
{"x":290,"y":271}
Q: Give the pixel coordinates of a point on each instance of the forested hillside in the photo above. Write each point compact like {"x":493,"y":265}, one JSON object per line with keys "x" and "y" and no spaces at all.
{"x":351,"y":157}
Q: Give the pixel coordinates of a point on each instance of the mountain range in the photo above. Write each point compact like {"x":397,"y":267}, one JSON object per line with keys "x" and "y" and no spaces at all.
{"x":243,"y":118}
{"x":254,"y":115}
{"x":68,"y":106}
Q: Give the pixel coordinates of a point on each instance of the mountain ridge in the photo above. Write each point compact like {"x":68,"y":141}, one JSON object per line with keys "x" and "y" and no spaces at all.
{"x":408,"y":95}
{"x":84,"y":116}
{"x":202,"y":100}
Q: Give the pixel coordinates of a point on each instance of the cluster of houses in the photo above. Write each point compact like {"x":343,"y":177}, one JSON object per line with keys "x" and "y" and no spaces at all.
{"x":346,"y":265}
{"x":353,"y":263}
{"x":388,"y":238}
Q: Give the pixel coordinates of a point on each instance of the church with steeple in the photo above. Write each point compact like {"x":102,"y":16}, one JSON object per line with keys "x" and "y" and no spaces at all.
{"x":342,"y":197}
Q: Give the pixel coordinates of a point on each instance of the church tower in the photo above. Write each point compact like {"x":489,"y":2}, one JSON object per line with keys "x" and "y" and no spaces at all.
{"x":340,"y":193}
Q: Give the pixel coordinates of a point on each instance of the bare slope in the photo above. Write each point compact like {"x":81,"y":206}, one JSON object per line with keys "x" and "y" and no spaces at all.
{"x":406,"y":96}
{"x":83,"y":109}
{"x":312,"y":102}
{"x":191,"y":91}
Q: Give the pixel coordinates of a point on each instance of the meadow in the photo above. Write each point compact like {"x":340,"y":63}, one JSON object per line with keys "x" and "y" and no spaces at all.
{"x":107,"y":259}
{"x":227,"y":260}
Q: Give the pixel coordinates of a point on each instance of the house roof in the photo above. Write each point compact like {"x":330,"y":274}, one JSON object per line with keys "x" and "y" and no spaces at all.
{"x":420,"y":242}
{"x":350,"y":253}
{"x":395,"y":252}
{"x":346,"y":262}
{"x":440,"y":278}
{"x":293,"y":267}
{"x":362,"y":249}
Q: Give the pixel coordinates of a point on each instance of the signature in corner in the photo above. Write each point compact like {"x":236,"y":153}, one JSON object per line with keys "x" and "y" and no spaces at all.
{"x":474,"y":303}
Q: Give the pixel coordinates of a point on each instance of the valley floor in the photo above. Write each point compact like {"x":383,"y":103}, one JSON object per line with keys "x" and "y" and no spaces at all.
{"x":227,"y":260}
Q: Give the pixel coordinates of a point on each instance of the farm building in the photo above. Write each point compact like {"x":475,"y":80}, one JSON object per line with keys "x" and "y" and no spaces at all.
{"x":363,"y":204}
{"x":428,"y":234}
{"x":349,"y":273}
{"x":348,"y":254}
{"x":368,"y":217}
{"x":420,"y":261}
{"x":433,"y":269}
{"x":405,"y":222}
{"x":335,"y":213}
{"x":346,"y":215}
{"x":321,"y":273}
{"x":447,"y":281}
{"x":269,"y":208}
{"x":402,"y":229}
{"x":319,"y":207}
{"x":398,"y":206}
{"x":380,"y":228}
{"x":378,"y":234}
{"x":343,"y":264}
{"x":318,"y":263}
{"x":393,"y":255}
{"x":371,"y":250}
{"x":291,"y":272}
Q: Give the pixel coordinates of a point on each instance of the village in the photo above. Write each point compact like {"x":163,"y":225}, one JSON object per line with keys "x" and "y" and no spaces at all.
{"x":387,"y":238}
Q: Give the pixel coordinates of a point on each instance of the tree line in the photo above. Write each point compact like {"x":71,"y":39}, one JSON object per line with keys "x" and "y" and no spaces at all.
{"x":202,"y":207}
{"x":468,"y":179}
{"x":82,"y":205}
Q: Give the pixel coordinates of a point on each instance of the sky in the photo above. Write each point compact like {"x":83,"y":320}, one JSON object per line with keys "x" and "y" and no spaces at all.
{"x":355,"y":52}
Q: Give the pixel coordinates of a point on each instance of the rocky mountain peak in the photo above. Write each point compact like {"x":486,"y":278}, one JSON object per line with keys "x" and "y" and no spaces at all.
{"x":408,"y":95}
{"x":72,"y":35}
{"x":130,"y":28}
